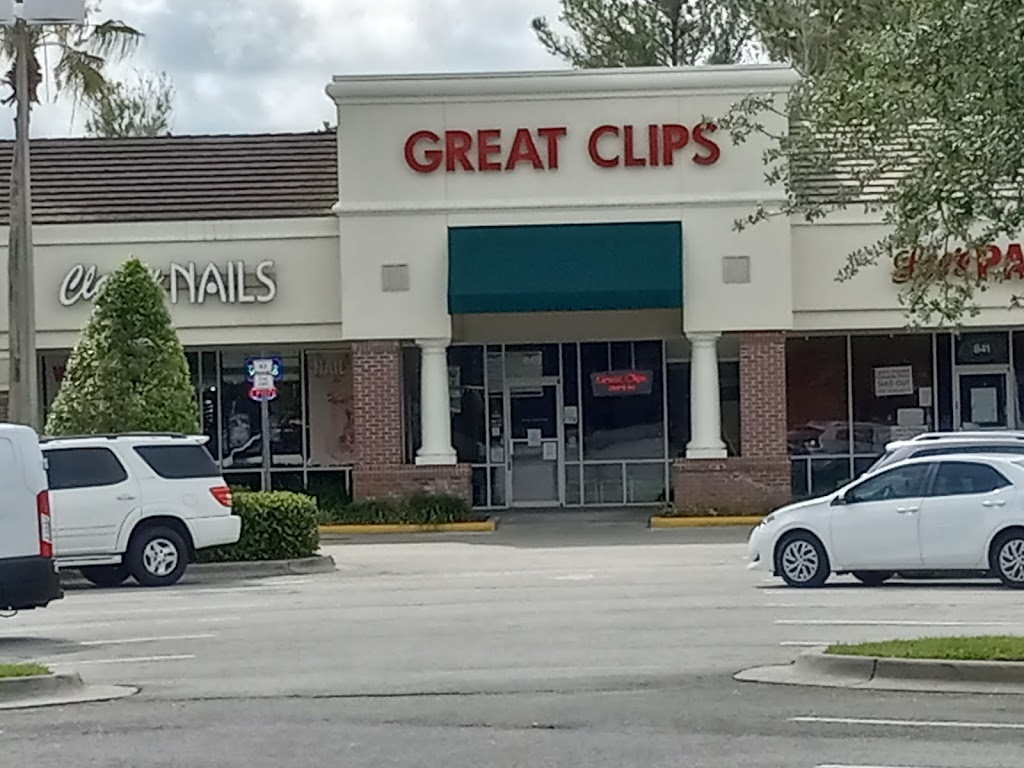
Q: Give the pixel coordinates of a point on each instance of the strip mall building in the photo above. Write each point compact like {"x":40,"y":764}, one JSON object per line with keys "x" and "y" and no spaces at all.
{"x":523,"y":288}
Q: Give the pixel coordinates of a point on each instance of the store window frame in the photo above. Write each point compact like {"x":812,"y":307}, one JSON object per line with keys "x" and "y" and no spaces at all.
{"x":949,"y":371}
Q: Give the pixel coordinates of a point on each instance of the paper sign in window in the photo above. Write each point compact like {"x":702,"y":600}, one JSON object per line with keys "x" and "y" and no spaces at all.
{"x":984,"y":405}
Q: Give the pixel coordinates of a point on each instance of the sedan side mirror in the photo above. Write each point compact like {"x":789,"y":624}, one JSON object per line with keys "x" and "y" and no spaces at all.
{"x":839,"y":500}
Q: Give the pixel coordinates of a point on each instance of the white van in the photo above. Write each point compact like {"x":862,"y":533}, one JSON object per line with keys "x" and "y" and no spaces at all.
{"x":28,"y":572}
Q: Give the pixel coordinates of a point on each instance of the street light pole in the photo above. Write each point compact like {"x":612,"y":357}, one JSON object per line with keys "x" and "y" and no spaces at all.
{"x":23,"y":402}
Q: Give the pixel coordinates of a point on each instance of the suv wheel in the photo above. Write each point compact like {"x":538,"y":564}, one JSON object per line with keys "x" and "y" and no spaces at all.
{"x":105,"y":575}
{"x":157,"y":556}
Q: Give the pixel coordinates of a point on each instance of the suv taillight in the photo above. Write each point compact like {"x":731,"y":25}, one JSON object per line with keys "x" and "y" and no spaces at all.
{"x":222,"y":494}
{"x":45,"y":524}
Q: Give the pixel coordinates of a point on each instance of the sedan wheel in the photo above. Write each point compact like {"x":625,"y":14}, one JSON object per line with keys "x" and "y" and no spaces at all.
{"x":802,"y":561}
{"x":1008,"y":559}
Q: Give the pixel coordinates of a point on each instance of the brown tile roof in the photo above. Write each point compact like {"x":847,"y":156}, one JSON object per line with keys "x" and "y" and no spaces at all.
{"x":178,"y":177}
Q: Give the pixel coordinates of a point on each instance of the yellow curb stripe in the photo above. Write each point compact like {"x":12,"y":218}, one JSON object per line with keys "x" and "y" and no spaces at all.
{"x":709,"y":521}
{"x":482,"y":526}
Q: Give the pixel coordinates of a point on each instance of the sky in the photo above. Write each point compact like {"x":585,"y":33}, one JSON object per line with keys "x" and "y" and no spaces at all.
{"x":262,"y":65}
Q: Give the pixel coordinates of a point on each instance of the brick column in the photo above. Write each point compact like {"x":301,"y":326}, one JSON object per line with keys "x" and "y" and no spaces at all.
{"x":377,"y":406}
{"x":763,"y":395}
{"x":380,"y":470}
{"x":760,"y":478}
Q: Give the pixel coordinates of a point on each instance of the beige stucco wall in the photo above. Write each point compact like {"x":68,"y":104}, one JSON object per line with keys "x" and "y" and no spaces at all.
{"x":299,"y":258}
{"x":390,"y":214}
{"x":871,"y":299}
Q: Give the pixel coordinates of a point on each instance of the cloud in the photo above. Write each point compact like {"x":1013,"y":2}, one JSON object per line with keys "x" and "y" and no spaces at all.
{"x":262,"y":65}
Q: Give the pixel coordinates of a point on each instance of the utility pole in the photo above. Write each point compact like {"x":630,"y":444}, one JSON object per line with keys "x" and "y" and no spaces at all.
{"x":23,"y":396}
{"x":23,"y":401}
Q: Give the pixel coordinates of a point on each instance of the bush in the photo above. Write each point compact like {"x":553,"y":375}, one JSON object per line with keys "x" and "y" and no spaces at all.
{"x":128,"y":371}
{"x":276,"y":525}
{"x":419,"y":509}
{"x":330,"y":494}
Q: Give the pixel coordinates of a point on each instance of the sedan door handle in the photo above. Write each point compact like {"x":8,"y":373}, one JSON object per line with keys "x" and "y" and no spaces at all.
{"x":907,"y":510}
{"x":994,"y":503}
{"x":125,"y":497}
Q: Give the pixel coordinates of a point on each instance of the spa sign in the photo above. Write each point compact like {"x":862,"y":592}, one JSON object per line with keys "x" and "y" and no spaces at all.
{"x":608,"y":146}
{"x":229,"y":283}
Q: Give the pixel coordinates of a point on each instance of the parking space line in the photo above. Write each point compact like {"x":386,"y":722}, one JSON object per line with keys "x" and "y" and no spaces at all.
{"x":155,"y":639}
{"x":909,"y":723}
{"x":894,"y":623}
{"x":123,"y":660}
{"x":805,"y":643}
{"x":847,"y":765}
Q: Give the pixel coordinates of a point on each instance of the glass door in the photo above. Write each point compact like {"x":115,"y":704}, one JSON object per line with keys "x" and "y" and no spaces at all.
{"x":982,"y":399}
{"x":534,"y":462}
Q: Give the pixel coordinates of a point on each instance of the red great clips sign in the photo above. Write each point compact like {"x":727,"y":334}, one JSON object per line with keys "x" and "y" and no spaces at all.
{"x":608,"y":146}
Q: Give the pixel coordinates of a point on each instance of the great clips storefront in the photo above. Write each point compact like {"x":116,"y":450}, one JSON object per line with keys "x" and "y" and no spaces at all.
{"x":548,"y":263}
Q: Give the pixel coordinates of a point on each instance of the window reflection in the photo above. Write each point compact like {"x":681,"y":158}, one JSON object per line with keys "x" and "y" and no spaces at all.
{"x":242,"y":425}
{"x":628,"y":425}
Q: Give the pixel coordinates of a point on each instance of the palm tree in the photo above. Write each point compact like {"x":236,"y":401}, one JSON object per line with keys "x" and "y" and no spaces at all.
{"x":76,"y":56}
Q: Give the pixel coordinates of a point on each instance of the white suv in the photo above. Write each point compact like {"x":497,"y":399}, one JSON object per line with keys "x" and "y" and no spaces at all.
{"x":136,"y":505}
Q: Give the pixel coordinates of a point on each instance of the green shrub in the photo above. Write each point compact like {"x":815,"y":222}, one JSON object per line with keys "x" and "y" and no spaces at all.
{"x":128,"y":371}
{"x":330,"y":495}
{"x":276,"y":525}
{"x":419,"y":509}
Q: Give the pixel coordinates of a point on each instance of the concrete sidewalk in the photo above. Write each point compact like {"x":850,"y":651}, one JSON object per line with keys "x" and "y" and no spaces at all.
{"x":543,"y":528}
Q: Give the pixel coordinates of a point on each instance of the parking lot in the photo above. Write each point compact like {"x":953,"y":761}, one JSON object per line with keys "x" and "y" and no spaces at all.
{"x":614,"y":650}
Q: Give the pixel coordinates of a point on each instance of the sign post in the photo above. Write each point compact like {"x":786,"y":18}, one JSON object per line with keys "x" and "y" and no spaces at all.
{"x":263,"y":373}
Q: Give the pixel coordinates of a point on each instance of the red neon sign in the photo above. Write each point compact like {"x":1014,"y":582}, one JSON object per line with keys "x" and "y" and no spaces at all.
{"x":608,"y":146}
{"x":611,"y":383}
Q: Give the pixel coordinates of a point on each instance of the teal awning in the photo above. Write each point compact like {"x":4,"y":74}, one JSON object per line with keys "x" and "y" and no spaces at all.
{"x":565,"y":267}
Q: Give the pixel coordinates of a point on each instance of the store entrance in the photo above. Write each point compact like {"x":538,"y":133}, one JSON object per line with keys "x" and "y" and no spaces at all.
{"x":534,"y":451}
{"x":981,"y":400}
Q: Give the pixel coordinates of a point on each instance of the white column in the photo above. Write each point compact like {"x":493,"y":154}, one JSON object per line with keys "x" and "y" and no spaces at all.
{"x":705,"y":399}
{"x":435,"y":406}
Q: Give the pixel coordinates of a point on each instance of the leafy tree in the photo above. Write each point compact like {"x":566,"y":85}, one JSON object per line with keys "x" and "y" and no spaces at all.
{"x":128,"y":372}
{"x":647,"y":33}
{"x":143,"y":108}
{"x":76,"y":56}
{"x":917,"y":106}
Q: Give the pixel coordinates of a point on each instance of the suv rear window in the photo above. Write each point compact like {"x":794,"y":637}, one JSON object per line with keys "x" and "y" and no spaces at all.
{"x":179,"y":462}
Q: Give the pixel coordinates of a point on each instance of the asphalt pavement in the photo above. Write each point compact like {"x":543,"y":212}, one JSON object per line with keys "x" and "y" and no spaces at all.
{"x":607,"y":646}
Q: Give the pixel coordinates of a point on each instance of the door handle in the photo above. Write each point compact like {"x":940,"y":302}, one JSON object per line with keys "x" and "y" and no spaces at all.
{"x":994,"y":503}
{"x":125,"y":497}
{"x":907,"y":510}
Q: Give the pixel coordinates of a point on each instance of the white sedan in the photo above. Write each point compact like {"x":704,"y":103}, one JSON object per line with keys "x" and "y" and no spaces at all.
{"x":937,"y":514}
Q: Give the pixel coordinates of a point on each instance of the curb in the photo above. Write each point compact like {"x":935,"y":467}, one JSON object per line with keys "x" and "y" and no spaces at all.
{"x":38,"y":685}
{"x":482,"y":526}
{"x":821,"y":669}
{"x":934,"y":670}
{"x":198,"y":573}
{"x":705,"y":521}
{"x":56,"y":690}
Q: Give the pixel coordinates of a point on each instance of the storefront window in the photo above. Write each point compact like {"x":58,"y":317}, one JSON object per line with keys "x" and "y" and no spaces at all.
{"x":626,"y":424}
{"x":241,"y":429}
{"x":816,"y":396}
{"x":287,"y":436}
{"x":467,"y":403}
{"x":331,"y":408}
{"x":208,"y":401}
{"x":893,"y":394}
{"x":411,"y":401}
